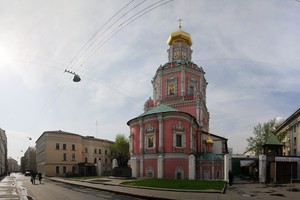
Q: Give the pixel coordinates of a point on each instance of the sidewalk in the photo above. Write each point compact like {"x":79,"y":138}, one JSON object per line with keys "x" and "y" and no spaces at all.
{"x":8,"y":189}
{"x":235,"y":192}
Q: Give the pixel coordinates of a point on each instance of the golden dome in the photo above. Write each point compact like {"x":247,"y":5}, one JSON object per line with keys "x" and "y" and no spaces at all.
{"x":180,"y":36}
{"x":209,"y":140}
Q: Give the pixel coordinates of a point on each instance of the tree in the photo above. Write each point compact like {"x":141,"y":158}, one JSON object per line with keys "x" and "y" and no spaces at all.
{"x":261,"y":133}
{"x":120,"y":150}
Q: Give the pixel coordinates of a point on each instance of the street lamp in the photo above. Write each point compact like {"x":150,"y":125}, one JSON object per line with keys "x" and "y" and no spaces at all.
{"x":76,"y":76}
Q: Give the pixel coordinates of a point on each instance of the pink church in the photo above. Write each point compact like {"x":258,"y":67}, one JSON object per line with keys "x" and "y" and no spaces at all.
{"x":171,"y":138}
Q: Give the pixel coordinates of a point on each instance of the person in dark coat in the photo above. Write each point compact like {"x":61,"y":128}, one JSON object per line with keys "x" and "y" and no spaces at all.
{"x":33,"y":175}
{"x":40,"y":177}
{"x":230,"y":176}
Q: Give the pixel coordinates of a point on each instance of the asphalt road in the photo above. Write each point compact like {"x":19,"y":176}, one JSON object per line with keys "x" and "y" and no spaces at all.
{"x":50,"y":190}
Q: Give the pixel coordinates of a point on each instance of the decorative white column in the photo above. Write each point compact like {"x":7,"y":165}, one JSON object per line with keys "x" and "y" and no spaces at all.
{"x":141,"y":136}
{"x":191,"y":136}
{"x":192,"y":167}
{"x":182,"y":80}
{"x":262,"y":168}
{"x":115,"y":163}
{"x":133,"y":163}
{"x":227,"y":166}
{"x":160,"y":166}
{"x":160,"y":134}
{"x":141,"y":167}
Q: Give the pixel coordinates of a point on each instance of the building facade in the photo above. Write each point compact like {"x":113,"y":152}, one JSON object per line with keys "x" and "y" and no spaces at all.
{"x":29,"y":160}
{"x":12,"y":165}
{"x":289,"y":130}
{"x":3,"y":152}
{"x":59,"y":153}
{"x":171,"y":138}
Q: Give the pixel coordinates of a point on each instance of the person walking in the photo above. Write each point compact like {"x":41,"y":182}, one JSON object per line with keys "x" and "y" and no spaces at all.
{"x":230,"y":176}
{"x":33,"y":175}
{"x":40,"y":177}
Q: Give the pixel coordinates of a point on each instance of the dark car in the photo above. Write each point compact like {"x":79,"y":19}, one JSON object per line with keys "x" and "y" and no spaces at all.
{"x":27,"y":173}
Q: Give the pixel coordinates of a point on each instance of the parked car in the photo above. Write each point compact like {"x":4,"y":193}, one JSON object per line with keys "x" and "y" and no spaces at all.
{"x":71,"y":174}
{"x":27,"y":173}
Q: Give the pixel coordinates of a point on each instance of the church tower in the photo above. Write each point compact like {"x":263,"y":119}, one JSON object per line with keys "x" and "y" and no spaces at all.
{"x":171,"y":138}
{"x":180,"y":83}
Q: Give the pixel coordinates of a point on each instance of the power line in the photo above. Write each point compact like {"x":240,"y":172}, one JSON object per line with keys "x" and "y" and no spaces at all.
{"x":81,"y":55}
{"x":95,"y":34}
{"x":124,"y":25}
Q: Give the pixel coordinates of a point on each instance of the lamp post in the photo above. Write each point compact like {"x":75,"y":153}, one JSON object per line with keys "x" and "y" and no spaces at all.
{"x":76,"y":76}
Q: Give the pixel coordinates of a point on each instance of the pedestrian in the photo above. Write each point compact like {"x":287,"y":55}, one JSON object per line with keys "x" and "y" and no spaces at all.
{"x":33,"y":175}
{"x":230,"y":176}
{"x":40,"y":177}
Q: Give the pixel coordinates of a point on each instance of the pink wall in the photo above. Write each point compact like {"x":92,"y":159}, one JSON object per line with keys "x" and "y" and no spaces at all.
{"x":170,"y":165}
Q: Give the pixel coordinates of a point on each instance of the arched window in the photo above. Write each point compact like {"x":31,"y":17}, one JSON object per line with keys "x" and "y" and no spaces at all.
{"x":179,"y":136}
{"x":172,"y":86}
{"x":179,"y":173}
{"x":150,"y":172}
{"x":150,"y":137}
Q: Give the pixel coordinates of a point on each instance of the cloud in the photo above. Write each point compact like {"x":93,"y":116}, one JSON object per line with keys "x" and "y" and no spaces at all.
{"x":248,"y":49}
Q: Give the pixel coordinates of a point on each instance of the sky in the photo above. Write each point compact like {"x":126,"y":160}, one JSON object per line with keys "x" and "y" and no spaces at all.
{"x":248,"y":49}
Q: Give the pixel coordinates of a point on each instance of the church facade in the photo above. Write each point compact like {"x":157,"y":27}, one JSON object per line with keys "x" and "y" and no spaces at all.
{"x":171,"y":138}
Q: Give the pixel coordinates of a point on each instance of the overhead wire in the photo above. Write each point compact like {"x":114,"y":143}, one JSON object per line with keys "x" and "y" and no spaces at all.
{"x":59,"y":89}
{"x":95,"y":34}
{"x":122,"y":26}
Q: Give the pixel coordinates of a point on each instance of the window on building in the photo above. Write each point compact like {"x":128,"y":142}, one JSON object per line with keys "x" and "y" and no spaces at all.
{"x":95,"y":160}
{"x":73,"y":156}
{"x":64,"y":146}
{"x":73,"y":147}
{"x":86,"y":150}
{"x":57,"y":145}
{"x":295,"y":152}
{"x":178,"y":175}
{"x":150,"y":141}
{"x":64,"y":157}
{"x":73,"y":168}
{"x":171,"y":89}
{"x":191,"y":90}
{"x":85,"y":160}
{"x":57,"y":169}
{"x":95,"y":151}
{"x":64,"y":169}
{"x":179,"y":140}
{"x":150,"y":173}
{"x":99,"y":151}
{"x":295,"y":141}
{"x":150,"y":137}
{"x":105,"y":152}
{"x":218,"y":175}
{"x":105,"y":160}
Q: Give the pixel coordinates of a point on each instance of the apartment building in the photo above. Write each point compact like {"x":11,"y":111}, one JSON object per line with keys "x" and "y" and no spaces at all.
{"x":29,"y":160}
{"x":289,"y":130}
{"x":12,"y":165}
{"x":60,"y":152}
{"x":3,"y":152}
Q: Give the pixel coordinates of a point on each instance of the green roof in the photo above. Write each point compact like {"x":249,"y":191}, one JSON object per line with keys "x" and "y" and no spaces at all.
{"x":273,"y":140}
{"x":209,"y":156}
{"x":159,"y":109}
